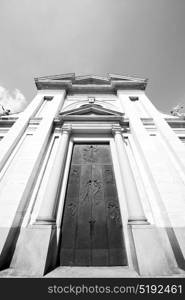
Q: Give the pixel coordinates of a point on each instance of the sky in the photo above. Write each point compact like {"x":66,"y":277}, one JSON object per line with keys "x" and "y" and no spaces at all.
{"x":143,"y":38}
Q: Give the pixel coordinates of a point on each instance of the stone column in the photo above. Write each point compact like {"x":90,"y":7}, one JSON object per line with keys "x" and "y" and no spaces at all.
{"x":169,"y":136}
{"x":47,"y":211}
{"x":18,"y":188}
{"x":161,"y":259}
{"x":135,"y":210}
{"x":16,"y":131}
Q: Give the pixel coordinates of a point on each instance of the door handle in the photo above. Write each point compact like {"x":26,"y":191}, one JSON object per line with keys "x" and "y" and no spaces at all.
{"x":91,"y":223}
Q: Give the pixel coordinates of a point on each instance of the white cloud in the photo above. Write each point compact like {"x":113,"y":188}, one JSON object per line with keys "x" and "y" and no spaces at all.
{"x":14,"y":101}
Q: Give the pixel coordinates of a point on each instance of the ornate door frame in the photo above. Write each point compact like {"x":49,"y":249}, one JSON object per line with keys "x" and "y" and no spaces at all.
{"x":86,"y":135}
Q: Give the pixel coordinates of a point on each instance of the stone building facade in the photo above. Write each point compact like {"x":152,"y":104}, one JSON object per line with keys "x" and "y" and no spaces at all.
{"x":92,"y":182}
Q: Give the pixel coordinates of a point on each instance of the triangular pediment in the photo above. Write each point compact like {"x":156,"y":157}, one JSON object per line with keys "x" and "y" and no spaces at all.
{"x":91,"y":79}
{"x":91,"y":109}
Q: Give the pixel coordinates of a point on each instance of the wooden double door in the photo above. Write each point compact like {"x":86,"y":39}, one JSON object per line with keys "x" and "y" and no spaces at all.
{"x":91,"y":233}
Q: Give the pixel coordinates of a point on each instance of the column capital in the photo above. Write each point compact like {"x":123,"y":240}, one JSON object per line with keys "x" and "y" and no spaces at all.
{"x":67,"y":128}
{"x":116,"y":129}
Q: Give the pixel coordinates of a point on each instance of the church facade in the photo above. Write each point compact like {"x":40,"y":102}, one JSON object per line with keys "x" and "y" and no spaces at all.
{"x":92,"y":182}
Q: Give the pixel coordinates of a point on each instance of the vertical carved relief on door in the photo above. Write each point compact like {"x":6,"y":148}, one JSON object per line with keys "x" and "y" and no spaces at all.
{"x":91,"y":229}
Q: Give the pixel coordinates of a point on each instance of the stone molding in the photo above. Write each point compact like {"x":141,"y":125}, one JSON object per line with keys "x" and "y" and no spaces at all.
{"x":66,"y":128}
{"x":118,"y":129}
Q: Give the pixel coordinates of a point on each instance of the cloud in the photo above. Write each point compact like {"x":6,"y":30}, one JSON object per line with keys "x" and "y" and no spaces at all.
{"x":15,"y":101}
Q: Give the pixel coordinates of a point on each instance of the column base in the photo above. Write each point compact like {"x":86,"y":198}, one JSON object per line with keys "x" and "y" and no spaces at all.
{"x":8,"y":239}
{"x":36,"y":250}
{"x":151,"y":251}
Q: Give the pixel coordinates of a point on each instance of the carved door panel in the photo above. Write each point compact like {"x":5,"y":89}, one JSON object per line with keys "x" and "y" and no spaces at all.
{"x":91,"y":228}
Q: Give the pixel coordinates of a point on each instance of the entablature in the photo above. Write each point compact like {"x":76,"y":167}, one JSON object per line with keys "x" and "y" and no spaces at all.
{"x":92,"y":127}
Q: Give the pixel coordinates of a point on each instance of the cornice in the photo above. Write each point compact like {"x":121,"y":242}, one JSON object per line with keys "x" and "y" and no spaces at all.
{"x":90,"y":83}
{"x":7,"y":121}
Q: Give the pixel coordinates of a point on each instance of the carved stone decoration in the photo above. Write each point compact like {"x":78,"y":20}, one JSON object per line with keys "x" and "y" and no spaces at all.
{"x":114,"y":212}
{"x":88,"y":153}
{"x":75,"y":175}
{"x":86,"y":191}
{"x":72,"y":207}
{"x":91,"y":99}
{"x":177,"y":111}
{"x":97,"y":185}
{"x":4,"y":111}
{"x":90,"y":190}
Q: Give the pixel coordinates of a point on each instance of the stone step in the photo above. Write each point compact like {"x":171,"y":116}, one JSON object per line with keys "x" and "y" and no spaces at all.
{"x":13,"y":273}
{"x":92,"y":272}
{"x":102,"y":272}
{"x":86,"y":272}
